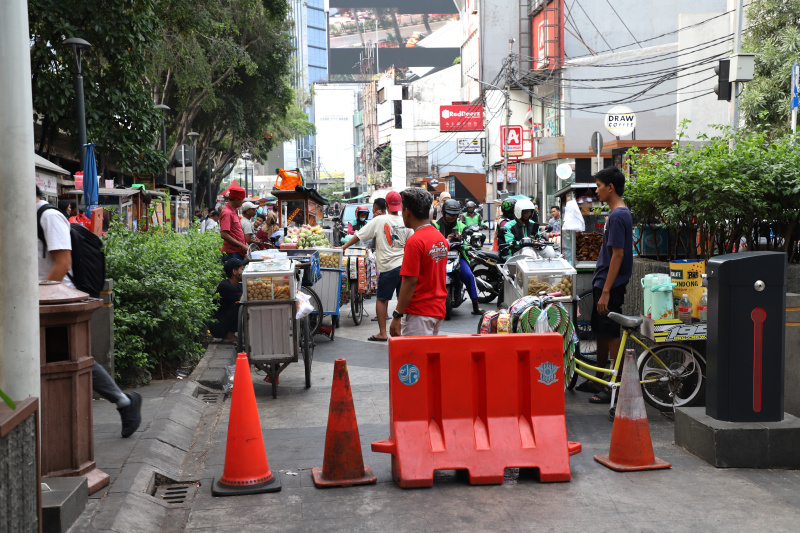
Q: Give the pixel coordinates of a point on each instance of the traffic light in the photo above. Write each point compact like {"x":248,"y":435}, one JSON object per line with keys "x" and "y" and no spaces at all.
{"x":723,"y":86}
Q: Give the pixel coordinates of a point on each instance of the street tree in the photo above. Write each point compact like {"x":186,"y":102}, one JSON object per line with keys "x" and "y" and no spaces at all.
{"x":120,"y":117}
{"x":226,"y":72}
{"x":774,"y":35}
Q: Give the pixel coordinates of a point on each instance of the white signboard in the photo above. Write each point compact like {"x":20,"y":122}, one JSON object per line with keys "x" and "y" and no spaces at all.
{"x":564,"y":171}
{"x":47,"y":183}
{"x":469,"y":146}
{"x":620,"y":121}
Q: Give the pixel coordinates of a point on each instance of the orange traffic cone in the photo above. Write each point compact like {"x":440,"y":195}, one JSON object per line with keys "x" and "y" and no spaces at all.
{"x":343,"y":464}
{"x":631,"y":447}
{"x":246,"y":468}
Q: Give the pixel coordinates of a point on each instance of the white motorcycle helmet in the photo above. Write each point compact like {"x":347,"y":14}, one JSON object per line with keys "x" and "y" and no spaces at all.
{"x":523,"y":205}
{"x":548,"y":252}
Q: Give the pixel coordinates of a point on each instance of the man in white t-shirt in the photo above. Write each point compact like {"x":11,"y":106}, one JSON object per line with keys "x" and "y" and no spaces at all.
{"x":248,"y":214}
{"x":55,"y":264}
{"x":212,"y":222}
{"x":390,"y":236}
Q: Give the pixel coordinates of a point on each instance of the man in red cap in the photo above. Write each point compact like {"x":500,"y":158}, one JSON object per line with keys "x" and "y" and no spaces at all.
{"x":229,"y":226}
{"x":390,"y":236}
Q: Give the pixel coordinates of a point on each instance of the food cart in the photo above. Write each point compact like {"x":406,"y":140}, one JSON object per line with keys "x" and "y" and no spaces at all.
{"x":269,"y":331}
{"x":300,"y":206}
{"x":551,"y":275}
{"x":360,"y":273}
{"x":329,"y":288}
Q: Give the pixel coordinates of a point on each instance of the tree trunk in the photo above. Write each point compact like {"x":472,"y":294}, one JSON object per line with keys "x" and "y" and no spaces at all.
{"x":360,"y":31}
{"x":397,"y":34}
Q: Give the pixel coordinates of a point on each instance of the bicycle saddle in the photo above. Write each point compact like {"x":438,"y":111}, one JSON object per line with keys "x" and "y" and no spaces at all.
{"x":626,"y":321}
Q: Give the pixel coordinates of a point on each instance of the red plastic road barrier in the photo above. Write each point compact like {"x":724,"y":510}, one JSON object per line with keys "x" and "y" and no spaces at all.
{"x":343,"y":465}
{"x":246,"y":468}
{"x":631,"y":446}
{"x":482,"y":403}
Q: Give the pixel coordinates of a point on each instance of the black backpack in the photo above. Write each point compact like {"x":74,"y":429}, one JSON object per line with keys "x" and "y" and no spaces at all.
{"x":88,"y":259}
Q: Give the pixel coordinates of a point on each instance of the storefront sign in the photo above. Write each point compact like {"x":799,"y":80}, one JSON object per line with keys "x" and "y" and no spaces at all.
{"x":512,"y":174}
{"x":546,"y":43}
{"x":460,"y":118}
{"x":511,"y":140}
{"x":469,"y":146}
{"x":47,"y":183}
{"x":620,"y":121}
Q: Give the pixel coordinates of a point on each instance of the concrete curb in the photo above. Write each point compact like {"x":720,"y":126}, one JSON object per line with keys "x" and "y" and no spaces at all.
{"x":169,"y":451}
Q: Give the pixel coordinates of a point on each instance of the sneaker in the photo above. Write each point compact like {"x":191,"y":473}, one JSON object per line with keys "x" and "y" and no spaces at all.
{"x":131,"y":415}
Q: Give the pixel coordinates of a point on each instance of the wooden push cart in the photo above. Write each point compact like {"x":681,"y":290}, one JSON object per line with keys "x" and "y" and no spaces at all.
{"x":272,"y":336}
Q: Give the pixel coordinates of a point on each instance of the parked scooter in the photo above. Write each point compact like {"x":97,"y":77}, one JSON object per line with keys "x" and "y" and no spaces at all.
{"x":456,"y":291}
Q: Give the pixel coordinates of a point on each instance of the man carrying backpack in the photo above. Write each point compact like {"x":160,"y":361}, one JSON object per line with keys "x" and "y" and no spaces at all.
{"x":55,"y":264}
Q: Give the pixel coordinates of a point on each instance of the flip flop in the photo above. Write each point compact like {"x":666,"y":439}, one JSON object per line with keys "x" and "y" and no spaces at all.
{"x":377,"y":339}
{"x":375,"y":319}
{"x":600,"y":397}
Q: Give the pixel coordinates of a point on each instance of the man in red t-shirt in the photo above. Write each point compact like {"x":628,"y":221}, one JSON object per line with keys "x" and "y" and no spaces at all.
{"x":229,"y":226}
{"x":423,"y":292}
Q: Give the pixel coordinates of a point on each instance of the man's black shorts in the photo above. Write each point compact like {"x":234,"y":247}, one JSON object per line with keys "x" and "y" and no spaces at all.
{"x":602,"y":326}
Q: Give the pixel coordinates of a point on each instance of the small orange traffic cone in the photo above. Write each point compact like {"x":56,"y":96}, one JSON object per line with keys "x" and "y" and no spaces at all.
{"x":246,"y":468}
{"x":631,"y":447}
{"x":343,"y":465}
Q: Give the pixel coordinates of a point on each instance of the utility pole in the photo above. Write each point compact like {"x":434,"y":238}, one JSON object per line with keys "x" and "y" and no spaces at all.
{"x":19,"y":318}
{"x":508,"y":115}
{"x":737,"y":48}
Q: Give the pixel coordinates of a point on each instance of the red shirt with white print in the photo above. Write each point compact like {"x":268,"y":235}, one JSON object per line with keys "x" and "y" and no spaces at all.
{"x":426,"y":259}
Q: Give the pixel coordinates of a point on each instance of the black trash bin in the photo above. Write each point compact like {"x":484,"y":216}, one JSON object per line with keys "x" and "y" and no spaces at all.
{"x":746,"y":322}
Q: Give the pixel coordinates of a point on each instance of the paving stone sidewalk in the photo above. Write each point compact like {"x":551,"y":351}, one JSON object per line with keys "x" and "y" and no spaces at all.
{"x":692,"y":496}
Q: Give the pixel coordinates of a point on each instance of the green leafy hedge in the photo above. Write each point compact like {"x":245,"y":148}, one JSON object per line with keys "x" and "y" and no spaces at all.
{"x":728,"y":188}
{"x":164,"y":286}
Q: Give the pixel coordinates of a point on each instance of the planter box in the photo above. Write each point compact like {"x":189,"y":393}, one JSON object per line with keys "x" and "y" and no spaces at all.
{"x":20,"y":500}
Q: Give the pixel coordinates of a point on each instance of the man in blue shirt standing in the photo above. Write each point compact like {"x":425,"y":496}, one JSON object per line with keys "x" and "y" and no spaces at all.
{"x":612,"y":271}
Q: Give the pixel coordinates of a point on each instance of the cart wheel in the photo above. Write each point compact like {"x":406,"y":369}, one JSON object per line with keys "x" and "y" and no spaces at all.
{"x":356,"y":304}
{"x":240,"y":336}
{"x":315,"y":318}
{"x":308,"y":350}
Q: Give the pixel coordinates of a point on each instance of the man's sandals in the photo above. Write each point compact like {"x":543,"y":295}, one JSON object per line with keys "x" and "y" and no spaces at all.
{"x":600,"y":394}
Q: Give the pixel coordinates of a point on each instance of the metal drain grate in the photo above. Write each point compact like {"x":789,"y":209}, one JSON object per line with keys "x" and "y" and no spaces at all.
{"x":175,"y":494}
{"x":211,"y":398}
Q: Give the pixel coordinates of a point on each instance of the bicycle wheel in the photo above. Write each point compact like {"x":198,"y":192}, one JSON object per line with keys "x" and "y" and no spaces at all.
{"x":681,"y":378}
{"x":356,"y":304}
{"x":315,"y":318}
{"x":308,"y":348}
{"x":583,"y":327}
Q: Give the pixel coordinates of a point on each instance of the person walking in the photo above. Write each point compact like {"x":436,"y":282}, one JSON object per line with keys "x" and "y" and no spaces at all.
{"x":230,"y":229}
{"x":55,"y":264}
{"x":390,"y":234}
{"x":423,"y":292}
{"x":555,"y":221}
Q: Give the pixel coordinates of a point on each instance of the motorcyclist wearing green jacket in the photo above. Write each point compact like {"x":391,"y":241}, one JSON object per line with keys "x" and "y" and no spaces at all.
{"x":523,"y":225}
{"x":452,"y":229}
{"x":472,"y":216}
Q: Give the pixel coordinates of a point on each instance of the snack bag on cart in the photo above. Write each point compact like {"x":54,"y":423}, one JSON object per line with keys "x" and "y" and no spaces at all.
{"x":362,"y":274}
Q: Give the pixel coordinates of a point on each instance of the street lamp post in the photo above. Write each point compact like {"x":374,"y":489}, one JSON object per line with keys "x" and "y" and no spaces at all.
{"x":77,"y":45}
{"x":246,"y":158}
{"x":193,"y":135}
{"x":163,"y":109}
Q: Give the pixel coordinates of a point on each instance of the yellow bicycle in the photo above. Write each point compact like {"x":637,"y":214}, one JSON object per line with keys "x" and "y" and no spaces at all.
{"x":672,"y":374}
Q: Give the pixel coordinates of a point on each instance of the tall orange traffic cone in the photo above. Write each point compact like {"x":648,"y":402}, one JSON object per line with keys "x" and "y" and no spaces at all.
{"x":631,"y":447}
{"x":246,"y":468}
{"x":343,"y":464}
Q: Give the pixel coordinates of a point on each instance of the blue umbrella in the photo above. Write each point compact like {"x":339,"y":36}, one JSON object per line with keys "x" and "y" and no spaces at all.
{"x":90,"y":193}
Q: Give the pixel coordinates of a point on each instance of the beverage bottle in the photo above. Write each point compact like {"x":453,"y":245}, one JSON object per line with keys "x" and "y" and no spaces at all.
{"x":685,"y":309}
{"x":702,"y":307}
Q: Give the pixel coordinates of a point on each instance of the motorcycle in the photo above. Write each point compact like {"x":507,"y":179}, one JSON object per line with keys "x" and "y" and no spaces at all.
{"x":456,"y":291}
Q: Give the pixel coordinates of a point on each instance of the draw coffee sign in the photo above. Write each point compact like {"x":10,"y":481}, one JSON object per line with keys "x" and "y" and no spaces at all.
{"x":620,"y":121}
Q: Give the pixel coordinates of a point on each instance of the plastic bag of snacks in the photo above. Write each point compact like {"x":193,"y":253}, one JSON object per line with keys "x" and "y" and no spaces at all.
{"x":488,"y":323}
